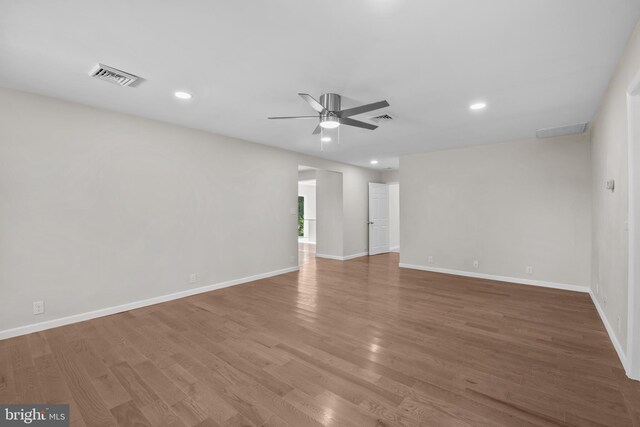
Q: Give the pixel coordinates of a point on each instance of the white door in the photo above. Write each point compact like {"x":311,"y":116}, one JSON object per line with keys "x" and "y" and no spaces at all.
{"x":378,"y":218}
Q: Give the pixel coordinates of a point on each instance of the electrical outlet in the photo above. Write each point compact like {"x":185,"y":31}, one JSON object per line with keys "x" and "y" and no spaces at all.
{"x":293,"y":211}
{"x":529,"y":269}
{"x":38,"y":307}
{"x":430,"y":259}
{"x":193,"y":278}
{"x":476,"y":264}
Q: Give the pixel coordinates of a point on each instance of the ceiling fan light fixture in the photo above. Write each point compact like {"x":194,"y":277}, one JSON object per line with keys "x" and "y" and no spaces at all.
{"x":332,"y":116}
{"x":478,"y":106}
{"x":182,"y":95}
{"x":329,"y":122}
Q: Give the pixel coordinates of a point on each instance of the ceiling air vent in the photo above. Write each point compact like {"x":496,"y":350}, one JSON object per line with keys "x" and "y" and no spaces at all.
{"x":112,"y":75}
{"x":381,"y":118}
{"x":562,"y":131}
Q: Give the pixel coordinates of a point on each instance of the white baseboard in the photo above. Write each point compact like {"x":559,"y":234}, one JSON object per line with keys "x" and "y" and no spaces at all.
{"x":49,"y":324}
{"x":352,"y":256}
{"x":518,"y":280}
{"x":394,"y":248}
{"x":612,"y":336}
{"x":342,"y":258}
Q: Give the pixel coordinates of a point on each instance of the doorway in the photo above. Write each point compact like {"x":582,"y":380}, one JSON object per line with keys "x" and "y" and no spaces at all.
{"x":384,"y":218}
{"x":307,"y":219}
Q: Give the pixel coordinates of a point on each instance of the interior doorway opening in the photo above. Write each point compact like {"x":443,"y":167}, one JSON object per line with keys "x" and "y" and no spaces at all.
{"x":307,"y":219}
{"x":307,"y":229}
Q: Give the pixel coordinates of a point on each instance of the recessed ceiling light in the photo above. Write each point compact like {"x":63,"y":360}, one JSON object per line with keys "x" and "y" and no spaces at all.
{"x":182,"y":95}
{"x":325,"y":139}
{"x":478,"y":106}
{"x":374,"y":162}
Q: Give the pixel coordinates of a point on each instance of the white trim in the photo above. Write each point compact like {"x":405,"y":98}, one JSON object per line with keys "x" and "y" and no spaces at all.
{"x":352,"y":256}
{"x":609,"y":328}
{"x":530,"y":282}
{"x":394,"y":249}
{"x":342,"y":258}
{"x":36,"y":327}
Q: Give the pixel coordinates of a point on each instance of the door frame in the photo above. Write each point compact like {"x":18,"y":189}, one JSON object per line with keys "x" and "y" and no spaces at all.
{"x":633,"y":157}
{"x":370,"y":220}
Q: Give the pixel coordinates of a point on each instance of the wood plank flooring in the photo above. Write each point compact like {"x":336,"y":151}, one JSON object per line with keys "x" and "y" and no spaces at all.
{"x":306,"y":252}
{"x":356,"y":343}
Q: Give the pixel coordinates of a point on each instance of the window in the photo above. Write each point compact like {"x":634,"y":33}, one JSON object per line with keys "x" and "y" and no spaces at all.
{"x":300,"y":216}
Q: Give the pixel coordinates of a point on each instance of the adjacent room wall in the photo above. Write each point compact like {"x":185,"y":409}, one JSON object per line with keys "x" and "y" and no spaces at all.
{"x":508,"y":205}
{"x":390,"y":176}
{"x":610,"y":209}
{"x":394,"y":217}
{"x":100,"y":209}
{"x":305,"y":175}
{"x":330,"y":215}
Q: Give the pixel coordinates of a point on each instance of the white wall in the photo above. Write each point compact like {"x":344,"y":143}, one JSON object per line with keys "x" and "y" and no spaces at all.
{"x":306,"y":175}
{"x":610,"y":210}
{"x":390,"y":176}
{"x":330,"y":214}
{"x":100,"y":209}
{"x":394,"y":217}
{"x":508,"y":205}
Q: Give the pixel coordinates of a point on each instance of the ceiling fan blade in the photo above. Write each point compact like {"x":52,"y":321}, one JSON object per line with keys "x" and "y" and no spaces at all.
{"x":356,"y":123}
{"x":293,"y":117}
{"x":362,"y":109}
{"x":311,"y":101}
{"x":316,"y":130}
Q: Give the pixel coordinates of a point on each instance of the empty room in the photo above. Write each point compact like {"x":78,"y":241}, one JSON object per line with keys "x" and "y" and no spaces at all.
{"x":320,"y":213}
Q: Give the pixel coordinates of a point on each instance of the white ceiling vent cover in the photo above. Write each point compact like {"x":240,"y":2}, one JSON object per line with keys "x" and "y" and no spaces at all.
{"x":112,"y":75}
{"x":381,"y":118}
{"x":561,"y":131}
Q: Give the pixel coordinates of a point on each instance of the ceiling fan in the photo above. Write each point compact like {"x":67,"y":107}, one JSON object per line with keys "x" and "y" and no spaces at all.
{"x":330,"y":114}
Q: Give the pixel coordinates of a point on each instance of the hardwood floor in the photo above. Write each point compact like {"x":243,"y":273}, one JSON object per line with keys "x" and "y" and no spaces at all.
{"x":356,"y":343}
{"x":306,"y":253}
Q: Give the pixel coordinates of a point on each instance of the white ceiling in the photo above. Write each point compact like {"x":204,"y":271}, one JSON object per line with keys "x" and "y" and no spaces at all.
{"x":537,"y":63}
